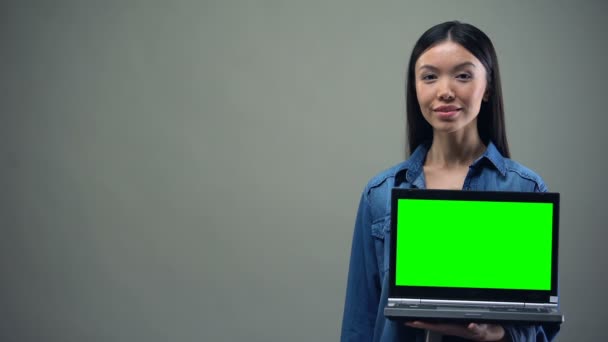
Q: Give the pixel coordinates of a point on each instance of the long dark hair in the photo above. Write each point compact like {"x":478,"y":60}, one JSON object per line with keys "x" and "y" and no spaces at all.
{"x":491,"y":118}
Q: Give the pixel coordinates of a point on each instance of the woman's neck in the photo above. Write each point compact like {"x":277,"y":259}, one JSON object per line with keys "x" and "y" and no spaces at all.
{"x":452,"y":150}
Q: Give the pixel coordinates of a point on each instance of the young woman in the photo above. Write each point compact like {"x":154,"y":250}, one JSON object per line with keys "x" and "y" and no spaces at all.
{"x":457,"y":140}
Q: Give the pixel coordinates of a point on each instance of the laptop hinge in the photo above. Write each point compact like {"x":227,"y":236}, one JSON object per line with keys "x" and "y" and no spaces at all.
{"x":540,"y":305}
{"x":404,"y":300}
{"x":470,"y":302}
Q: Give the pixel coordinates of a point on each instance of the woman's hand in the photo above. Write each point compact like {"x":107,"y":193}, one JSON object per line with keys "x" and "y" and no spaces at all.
{"x":472,"y":331}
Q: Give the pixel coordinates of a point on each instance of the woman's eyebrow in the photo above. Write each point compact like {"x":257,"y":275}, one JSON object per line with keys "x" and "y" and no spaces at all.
{"x":465,"y":64}
{"x":459,"y":66}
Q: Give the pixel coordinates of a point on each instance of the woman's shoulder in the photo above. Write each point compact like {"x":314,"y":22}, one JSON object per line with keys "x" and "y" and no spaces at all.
{"x":378,"y":188}
{"x":377,"y":191}
{"x":397,"y":173}
{"x":384,"y":178}
{"x":516,"y":169}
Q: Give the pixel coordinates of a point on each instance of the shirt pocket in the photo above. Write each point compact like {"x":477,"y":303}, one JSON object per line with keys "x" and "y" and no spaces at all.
{"x":381,"y":231}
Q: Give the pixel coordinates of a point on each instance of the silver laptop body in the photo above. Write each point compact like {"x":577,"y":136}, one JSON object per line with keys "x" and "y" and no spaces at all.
{"x":473,"y":256}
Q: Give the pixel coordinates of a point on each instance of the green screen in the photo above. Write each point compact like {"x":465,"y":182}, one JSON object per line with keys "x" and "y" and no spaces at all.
{"x":478,"y":244}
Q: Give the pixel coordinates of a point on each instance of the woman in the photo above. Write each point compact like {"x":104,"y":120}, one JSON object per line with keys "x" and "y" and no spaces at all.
{"x":456,"y":136}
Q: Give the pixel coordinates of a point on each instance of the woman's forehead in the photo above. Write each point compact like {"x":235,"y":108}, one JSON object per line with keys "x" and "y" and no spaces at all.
{"x":446,"y":55}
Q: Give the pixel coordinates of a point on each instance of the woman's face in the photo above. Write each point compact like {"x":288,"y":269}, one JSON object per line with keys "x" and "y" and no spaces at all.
{"x":450,"y":85}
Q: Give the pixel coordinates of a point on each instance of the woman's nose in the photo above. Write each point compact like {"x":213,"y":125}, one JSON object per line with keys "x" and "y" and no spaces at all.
{"x":444,"y":92}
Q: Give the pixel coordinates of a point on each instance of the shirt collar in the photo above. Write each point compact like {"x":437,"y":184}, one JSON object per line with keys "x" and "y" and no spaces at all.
{"x":411,"y":169}
{"x":494,"y":157}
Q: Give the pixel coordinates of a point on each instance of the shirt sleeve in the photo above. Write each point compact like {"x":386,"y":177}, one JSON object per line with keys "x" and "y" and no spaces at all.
{"x":539,"y":333}
{"x":363,"y":285}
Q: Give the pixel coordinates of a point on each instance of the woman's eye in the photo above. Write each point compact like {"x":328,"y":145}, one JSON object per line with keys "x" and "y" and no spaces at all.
{"x":428,"y":77}
{"x":464,"y":76}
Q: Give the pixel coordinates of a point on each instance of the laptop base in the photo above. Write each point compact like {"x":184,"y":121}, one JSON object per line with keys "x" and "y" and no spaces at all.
{"x":439,"y":314}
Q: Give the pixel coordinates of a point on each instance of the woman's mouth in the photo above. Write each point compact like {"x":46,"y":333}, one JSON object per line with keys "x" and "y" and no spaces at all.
{"x":446,"y":112}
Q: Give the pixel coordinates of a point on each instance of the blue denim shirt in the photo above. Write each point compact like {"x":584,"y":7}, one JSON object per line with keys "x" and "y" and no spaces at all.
{"x":367,"y":286}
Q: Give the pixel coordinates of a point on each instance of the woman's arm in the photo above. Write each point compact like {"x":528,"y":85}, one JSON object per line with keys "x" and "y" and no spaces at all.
{"x":363,"y":284}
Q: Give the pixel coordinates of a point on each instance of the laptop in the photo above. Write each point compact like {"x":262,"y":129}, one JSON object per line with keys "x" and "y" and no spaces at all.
{"x":473,"y":256}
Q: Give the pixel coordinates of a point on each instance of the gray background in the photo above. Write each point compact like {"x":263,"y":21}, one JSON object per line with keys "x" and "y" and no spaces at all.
{"x":189,"y":171}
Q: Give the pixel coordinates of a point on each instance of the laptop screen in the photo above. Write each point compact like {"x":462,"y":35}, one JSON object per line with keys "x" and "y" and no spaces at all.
{"x":474,"y":245}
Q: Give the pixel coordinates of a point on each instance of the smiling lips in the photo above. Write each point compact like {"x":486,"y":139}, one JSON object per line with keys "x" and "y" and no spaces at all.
{"x":446,"y":111}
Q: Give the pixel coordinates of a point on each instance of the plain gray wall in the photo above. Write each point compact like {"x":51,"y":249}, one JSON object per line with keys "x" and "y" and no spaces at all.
{"x":189,"y":171}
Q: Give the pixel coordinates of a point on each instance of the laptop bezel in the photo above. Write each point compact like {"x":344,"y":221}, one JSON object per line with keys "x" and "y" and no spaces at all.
{"x":475,"y":294}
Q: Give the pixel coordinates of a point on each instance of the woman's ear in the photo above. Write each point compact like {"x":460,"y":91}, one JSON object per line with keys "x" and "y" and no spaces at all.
{"x":486,"y":95}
